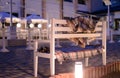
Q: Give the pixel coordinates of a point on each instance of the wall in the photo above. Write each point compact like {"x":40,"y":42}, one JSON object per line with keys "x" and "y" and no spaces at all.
{"x":52,"y":9}
{"x":6,"y":6}
{"x":82,"y":7}
{"x":69,"y":9}
{"x":33,"y":7}
{"x":117,"y":15}
{"x":97,"y":5}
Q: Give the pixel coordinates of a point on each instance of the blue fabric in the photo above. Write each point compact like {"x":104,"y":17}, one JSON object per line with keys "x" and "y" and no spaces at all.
{"x":33,"y":16}
{"x":4,"y":15}
{"x":76,"y":48}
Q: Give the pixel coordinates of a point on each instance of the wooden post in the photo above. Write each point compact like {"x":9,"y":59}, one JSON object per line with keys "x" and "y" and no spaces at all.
{"x":99,"y":72}
{"x":35,"y":59}
{"x":61,"y":9}
{"x":52,"y":49}
{"x":104,"y":43}
{"x":118,"y":66}
{"x":75,"y":6}
{"x":103,"y":71}
{"x":94,"y":73}
{"x":22,"y":8}
{"x":43,"y":8}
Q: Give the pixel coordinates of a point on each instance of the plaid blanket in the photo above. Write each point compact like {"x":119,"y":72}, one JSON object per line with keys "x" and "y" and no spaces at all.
{"x":62,"y":56}
{"x":83,"y":25}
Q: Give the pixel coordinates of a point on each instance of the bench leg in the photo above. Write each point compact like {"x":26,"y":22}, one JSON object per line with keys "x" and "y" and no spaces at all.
{"x":86,"y":61}
{"x":104,"y":58}
{"x":52,"y":66}
{"x":35,"y":65}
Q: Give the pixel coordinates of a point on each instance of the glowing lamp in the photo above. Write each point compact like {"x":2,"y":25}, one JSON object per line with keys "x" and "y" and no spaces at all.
{"x":31,"y":25}
{"x":49,"y":25}
{"x":39,"y":25}
{"x":18,"y":25}
{"x":107,"y":2}
{"x":78,"y":70}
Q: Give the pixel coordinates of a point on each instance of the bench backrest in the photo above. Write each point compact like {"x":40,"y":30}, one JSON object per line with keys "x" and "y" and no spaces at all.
{"x":58,"y":32}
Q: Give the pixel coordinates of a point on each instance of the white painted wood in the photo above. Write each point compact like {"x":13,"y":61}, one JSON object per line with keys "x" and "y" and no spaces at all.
{"x":52,"y":48}
{"x":44,"y":55}
{"x":104,"y":38}
{"x":54,"y":35}
{"x":76,"y":35}
{"x":35,"y":65}
{"x":86,"y":61}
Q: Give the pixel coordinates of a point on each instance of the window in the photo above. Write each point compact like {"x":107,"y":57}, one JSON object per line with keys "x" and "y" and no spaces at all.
{"x":117,"y":24}
{"x":14,"y":14}
{"x":81,"y":1}
{"x":31,"y":14}
{"x":68,"y":0}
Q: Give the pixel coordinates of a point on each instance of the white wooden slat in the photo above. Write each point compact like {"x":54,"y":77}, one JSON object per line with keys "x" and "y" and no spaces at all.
{"x":44,"y":41}
{"x":44,"y":55}
{"x":99,"y":23}
{"x":62,"y":29}
{"x":69,"y":29}
{"x":98,"y":29}
{"x":76,"y":35}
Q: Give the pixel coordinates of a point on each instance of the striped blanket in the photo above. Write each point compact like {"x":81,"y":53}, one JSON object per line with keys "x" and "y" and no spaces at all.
{"x":73,"y":55}
{"x":83,"y":25}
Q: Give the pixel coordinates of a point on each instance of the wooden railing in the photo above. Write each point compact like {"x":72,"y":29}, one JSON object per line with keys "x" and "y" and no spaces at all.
{"x":111,"y":70}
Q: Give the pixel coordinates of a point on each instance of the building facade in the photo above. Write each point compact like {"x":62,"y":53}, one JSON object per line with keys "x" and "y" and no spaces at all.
{"x":48,"y":9}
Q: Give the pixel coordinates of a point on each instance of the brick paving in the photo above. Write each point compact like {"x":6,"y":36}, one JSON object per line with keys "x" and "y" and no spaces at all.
{"x":18,"y":63}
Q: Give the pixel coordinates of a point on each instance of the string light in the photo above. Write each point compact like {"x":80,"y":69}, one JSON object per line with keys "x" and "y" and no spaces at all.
{"x":31,"y":25}
{"x":18,"y":25}
{"x":39,"y":25}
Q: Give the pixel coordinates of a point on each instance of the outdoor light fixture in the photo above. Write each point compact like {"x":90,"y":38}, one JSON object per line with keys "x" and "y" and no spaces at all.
{"x":4,"y":49}
{"x":18,"y":25}
{"x":3,"y":22}
{"x":39,"y":25}
{"x":49,"y":25}
{"x":78,"y":70}
{"x":31,"y":25}
{"x":107,"y":2}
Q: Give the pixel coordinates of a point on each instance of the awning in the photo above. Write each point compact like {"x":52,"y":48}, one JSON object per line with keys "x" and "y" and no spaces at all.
{"x":35,"y":19}
{"x":6,"y":16}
